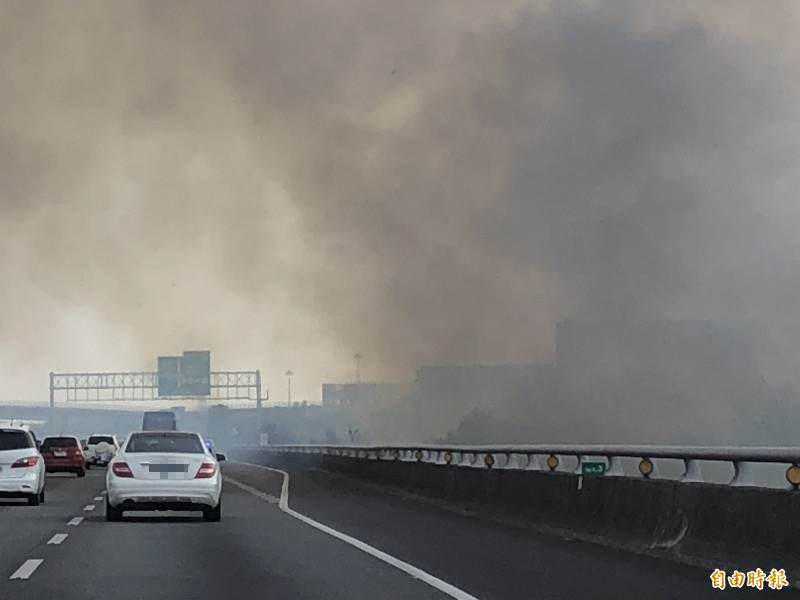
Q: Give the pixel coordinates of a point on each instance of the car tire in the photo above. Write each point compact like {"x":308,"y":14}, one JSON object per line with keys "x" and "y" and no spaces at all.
{"x":113,"y":514}
{"x":34,"y":500}
{"x":88,"y":466}
{"x":213,"y":515}
{"x":81,"y":473}
{"x":41,"y":496}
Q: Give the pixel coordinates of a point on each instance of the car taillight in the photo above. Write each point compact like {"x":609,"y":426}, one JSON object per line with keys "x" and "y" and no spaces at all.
{"x":207,"y":470}
{"x":28,"y":461}
{"x":121,"y":469}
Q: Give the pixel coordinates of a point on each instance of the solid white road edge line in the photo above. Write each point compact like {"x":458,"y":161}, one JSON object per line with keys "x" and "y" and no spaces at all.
{"x":283,"y":504}
{"x":88,"y":507}
{"x":75,"y":521}
{"x":27,"y":568}
{"x":266,"y":497}
{"x":57,"y":538}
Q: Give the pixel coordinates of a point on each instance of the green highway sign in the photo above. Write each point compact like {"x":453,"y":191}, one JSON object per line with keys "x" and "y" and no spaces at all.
{"x":593,"y":468}
{"x":168,"y":369}
{"x":187,"y":375}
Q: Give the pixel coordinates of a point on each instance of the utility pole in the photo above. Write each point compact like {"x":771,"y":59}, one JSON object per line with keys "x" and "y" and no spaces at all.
{"x":357,"y":357}
{"x":289,"y":386}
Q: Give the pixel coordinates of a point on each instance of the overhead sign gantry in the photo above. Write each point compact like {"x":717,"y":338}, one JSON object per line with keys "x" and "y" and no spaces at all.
{"x":187,"y":377}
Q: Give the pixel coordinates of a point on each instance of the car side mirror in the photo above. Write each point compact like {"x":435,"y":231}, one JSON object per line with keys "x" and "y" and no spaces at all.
{"x":220,"y":457}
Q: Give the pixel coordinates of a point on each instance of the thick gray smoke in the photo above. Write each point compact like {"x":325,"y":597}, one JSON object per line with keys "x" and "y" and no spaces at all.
{"x":288,"y":182}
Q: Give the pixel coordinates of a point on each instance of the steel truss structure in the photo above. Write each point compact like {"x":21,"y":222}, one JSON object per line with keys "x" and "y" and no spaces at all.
{"x":138,"y":386}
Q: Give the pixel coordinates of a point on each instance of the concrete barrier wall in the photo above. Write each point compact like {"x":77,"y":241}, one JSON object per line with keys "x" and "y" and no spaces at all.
{"x":700,"y":523}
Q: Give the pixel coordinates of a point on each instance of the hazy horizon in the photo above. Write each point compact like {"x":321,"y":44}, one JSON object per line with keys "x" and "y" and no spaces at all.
{"x":289,"y":183}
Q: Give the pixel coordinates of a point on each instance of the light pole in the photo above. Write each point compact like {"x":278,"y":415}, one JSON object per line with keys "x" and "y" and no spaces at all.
{"x":357,"y":356}
{"x":289,"y":386}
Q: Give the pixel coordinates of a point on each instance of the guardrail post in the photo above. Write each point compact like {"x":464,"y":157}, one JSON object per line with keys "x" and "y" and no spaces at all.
{"x":742,"y":476}
{"x":691,"y":471}
{"x":614,"y":467}
{"x":478,"y":462}
{"x":533,"y":463}
{"x":511,"y":462}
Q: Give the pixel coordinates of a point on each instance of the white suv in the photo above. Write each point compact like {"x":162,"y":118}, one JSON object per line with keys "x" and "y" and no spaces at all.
{"x":21,"y":465}
{"x":100,"y":448}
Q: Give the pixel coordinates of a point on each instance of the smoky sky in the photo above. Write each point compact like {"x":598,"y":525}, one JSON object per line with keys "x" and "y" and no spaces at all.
{"x":288,"y":182}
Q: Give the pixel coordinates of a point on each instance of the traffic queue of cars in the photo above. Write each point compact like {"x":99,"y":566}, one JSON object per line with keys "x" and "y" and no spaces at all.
{"x":151,"y":470}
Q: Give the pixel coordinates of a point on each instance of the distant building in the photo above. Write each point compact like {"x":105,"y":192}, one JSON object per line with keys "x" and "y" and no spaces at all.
{"x":484,"y":386}
{"x":444,"y":394}
{"x":362,"y":395}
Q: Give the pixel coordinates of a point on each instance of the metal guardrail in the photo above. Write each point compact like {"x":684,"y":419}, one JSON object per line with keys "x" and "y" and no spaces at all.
{"x":527,"y":457}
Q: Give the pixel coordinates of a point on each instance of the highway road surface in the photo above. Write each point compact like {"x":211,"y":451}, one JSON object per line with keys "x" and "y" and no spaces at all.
{"x":325,"y":540}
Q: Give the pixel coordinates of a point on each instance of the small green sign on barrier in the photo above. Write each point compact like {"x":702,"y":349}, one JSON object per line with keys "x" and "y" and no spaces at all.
{"x":593,"y":468}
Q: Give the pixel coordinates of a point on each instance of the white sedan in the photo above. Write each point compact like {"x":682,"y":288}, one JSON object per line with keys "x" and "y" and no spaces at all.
{"x":164,"y":470}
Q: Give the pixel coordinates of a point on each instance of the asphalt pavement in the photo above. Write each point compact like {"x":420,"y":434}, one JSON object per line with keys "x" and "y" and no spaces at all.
{"x":329,"y":540}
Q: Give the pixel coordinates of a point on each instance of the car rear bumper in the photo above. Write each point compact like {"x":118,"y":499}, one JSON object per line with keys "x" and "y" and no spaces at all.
{"x":19,"y":487}
{"x":53,"y":466}
{"x":156,"y":495}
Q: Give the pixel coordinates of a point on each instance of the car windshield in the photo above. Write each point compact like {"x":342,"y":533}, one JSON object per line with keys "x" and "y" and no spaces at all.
{"x":59,"y":442}
{"x":14,"y":440}
{"x":165,"y":442}
{"x":96,"y":439}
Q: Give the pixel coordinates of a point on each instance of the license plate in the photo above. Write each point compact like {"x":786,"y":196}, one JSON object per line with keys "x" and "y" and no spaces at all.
{"x":59,"y":453}
{"x":169,"y":468}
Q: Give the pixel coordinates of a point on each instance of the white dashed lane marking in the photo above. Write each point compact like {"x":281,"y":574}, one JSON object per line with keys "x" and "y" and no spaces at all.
{"x":57,"y":539}
{"x":98,"y":498}
{"x":88,"y":507}
{"x":27,"y":568}
{"x":76,"y":521}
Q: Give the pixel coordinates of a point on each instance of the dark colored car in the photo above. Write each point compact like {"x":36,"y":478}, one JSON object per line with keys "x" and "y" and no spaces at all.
{"x":63,"y":454}
{"x":161,"y":420}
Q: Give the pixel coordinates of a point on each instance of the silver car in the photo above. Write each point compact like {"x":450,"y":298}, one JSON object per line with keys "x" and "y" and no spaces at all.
{"x":164,"y":470}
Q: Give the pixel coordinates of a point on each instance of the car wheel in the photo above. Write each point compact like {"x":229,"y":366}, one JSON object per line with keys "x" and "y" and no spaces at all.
{"x":88,"y":466}
{"x":213,"y":515}
{"x":34,"y":500}
{"x":113,"y":513}
{"x":81,"y":473}
{"x":41,"y":496}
